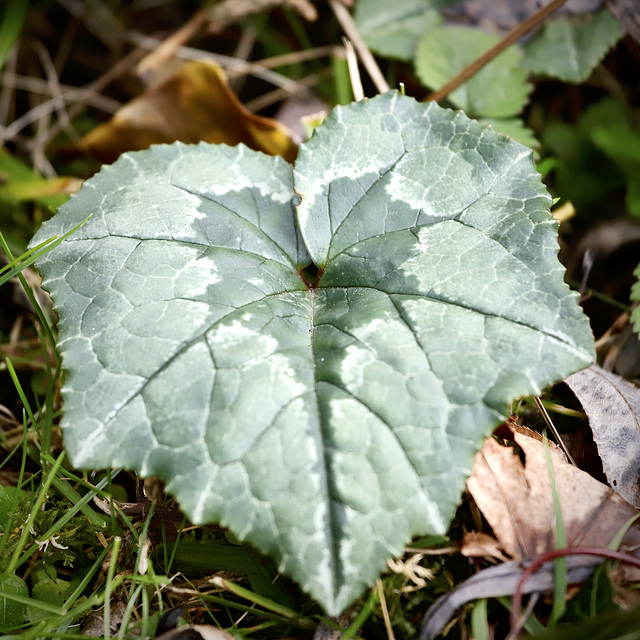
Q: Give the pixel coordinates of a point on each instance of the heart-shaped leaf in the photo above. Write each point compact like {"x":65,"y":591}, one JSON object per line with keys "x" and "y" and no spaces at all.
{"x":325,"y":413}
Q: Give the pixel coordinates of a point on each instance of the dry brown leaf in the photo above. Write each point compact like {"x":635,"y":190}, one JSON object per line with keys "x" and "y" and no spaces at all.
{"x":476,"y":544}
{"x":192,"y":105}
{"x":517,"y":500}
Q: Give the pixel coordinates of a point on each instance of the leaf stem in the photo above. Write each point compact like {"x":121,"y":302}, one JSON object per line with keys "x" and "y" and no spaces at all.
{"x":314,"y":284}
{"x":516,"y":605}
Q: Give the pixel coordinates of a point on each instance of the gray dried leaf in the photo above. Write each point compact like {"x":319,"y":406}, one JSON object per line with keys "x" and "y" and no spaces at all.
{"x":612,"y":405}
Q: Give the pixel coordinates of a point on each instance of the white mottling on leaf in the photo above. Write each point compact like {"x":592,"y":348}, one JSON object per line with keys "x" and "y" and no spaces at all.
{"x":199,"y":275}
{"x":353,"y":367}
{"x":283,"y":375}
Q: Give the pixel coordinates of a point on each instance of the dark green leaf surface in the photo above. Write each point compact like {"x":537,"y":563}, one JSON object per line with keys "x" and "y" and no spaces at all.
{"x":324,"y":423}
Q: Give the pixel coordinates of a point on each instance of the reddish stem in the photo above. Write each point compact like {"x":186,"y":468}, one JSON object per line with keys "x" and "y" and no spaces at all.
{"x":516,"y":604}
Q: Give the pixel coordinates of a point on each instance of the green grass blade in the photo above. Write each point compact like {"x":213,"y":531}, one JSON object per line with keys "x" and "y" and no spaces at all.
{"x":16,"y":265}
{"x":21,"y":393}
{"x":45,"y":606}
{"x":84,"y":583}
{"x":42,"y":494}
{"x":15,"y":11}
{"x":560,"y":567}
{"x":111,"y":571}
{"x":480,"y":621}
{"x":270,"y":605}
{"x":362,"y":617}
{"x":79,"y":504}
{"x":617,"y":539}
{"x":126,"y":616}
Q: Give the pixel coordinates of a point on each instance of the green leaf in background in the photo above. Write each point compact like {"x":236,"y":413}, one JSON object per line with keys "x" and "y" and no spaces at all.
{"x":12,"y":613}
{"x":499,"y":90}
{"x":49,"y":591}
{"x":610,"y":127}
{"x":324,"y":412}
{"x":596,"y":155}
{"x":19,"y":183}
{"x":570,"y":48}
{"x":635,"y":296}
{"x":12,"y":16}
{"x":392,"y":29}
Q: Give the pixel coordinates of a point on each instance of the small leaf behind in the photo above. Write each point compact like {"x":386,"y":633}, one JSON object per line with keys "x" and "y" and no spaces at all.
{"x":498,"y":90}
{"x":570,"y":48}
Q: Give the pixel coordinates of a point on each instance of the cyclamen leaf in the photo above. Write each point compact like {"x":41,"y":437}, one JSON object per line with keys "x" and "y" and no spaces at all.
{"x":570,"y":48}
{"x":326,"y":423}
{"x":498,"y":90}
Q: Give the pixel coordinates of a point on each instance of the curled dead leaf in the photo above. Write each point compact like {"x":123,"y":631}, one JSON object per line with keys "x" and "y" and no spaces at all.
{"x":476,"y":544}
{"x":192,"y":105}
{"x":516,"y":499}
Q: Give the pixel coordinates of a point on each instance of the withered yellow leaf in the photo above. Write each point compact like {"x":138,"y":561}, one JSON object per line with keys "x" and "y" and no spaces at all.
{"x":192,"y":105}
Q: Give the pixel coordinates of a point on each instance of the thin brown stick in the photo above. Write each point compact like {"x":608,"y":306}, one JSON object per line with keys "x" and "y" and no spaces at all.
{"x":168,"y":46}
{"x":277,"y":95}
{"x":385,"y":610}
{"x":69,"y":93}
{"x":296,"y":56}
{"x":485,"y":58}
{"x":226,"y":62}
{"x":229,"y":12}
{"x":122,"y":66}
{"x":349,"y":27}
{"x":549,"y":423}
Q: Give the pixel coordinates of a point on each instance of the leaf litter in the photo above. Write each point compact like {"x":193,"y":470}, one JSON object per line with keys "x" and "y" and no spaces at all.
{"x":612,"y":405}
{"x":516,"y":499}
{"x":191,"y":104}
